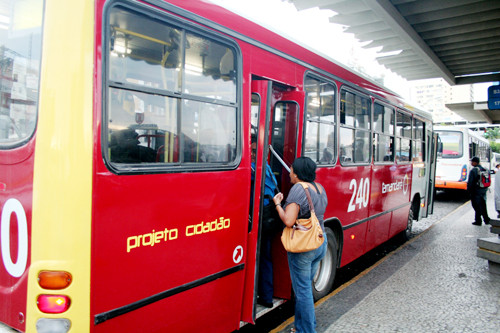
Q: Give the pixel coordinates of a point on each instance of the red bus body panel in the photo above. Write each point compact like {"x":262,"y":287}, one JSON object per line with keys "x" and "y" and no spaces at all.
{"x":195,"y":226}
{"x":16,"y":184}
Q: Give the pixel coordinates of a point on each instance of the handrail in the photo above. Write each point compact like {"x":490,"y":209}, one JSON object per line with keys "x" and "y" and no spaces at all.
{"x":279,"y":158}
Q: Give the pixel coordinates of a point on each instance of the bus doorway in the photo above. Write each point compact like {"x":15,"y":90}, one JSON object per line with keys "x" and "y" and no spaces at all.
{"x":433,"y":148}
{"x":274,"y":128}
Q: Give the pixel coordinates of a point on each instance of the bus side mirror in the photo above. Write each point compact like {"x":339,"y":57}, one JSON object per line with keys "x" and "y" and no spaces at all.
{"x":440,"y":147}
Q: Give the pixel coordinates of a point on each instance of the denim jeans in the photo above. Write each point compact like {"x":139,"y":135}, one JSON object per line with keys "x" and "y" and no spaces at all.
{"x":303,"y":267}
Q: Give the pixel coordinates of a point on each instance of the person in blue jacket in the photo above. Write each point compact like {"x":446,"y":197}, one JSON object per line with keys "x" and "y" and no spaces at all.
{"x":265,"y":289}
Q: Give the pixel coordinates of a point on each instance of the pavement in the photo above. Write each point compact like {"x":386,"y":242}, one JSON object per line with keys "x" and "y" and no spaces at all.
{"x":433,"y":283}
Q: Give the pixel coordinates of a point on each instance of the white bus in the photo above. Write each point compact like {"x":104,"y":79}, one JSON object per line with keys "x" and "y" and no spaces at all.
{"x":455,"y":149}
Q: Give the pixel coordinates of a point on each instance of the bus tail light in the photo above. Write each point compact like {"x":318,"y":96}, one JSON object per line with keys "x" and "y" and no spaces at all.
{"x":463,"y":174}
{"x":54,"y":279}
{"x":53,"y":303}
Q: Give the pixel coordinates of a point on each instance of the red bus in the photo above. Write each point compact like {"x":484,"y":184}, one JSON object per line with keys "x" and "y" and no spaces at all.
{"x":125,"y":169}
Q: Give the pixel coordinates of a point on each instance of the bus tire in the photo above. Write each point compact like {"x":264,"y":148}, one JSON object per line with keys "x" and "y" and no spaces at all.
{"x":407,"y":232}
{"x":325,"y":276}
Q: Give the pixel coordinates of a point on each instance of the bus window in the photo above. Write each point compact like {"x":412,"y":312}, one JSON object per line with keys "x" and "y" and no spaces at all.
{"x":383,"y":126}
{"x":20,"y":53}
{"x":132,"y":141}
{"x":404,"y":133}
{"x":254,"y":114}
{"x":355,"y":135}
{"x":209,"y":69}
{"x":418,"y":148}
{"x":284,"y":140}
{"x":319,"y":133}
{"x":484,"y":152}
{"x":451,"y":143}
{"x":403,"y":150}
{"x":171,"y":94}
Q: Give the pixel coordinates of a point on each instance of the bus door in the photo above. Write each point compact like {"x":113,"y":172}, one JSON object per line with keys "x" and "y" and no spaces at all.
{"x":285,"y":145}
{"x":432,"y":138}
{"x":274,"y":120}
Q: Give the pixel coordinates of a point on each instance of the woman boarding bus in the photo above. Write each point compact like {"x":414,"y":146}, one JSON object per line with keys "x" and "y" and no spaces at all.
{"x":125,"y":163}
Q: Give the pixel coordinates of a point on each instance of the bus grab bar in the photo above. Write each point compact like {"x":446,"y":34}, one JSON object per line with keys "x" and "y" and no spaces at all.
{"x":279,"y":158}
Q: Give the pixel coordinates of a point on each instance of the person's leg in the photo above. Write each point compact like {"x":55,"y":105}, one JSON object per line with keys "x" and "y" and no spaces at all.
{"x":300,"y":272}
{"x":484,"y":209}
{"x":477,"y":209}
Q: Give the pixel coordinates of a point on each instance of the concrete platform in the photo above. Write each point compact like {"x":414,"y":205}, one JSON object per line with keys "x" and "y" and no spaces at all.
{"x":433,"y":283}
{"x":489,"y":248}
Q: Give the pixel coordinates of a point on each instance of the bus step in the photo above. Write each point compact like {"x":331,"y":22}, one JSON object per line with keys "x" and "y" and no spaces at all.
{"x":261,"y":310}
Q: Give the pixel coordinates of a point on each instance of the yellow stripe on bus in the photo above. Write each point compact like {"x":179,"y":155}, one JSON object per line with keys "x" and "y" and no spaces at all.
{"x":62,"y":188}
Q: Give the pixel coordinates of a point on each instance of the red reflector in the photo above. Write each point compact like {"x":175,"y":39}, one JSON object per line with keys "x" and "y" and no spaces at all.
{"x":53,"y":303}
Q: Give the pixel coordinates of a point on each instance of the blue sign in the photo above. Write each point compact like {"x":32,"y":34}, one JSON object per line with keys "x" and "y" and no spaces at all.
{"x":494,"y":92}
{"x":494,"y":97}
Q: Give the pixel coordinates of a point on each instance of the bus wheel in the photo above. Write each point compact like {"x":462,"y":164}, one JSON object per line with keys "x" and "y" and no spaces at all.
{"x":409,"y":225}
{"x":324,"y":277}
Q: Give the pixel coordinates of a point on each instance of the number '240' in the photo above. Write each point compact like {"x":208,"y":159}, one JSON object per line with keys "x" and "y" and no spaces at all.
{"x":360,"y":194}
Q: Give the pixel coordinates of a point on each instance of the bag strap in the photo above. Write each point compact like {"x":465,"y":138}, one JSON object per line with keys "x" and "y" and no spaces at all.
{"x":306,"y":189}
{"x":316,"y":187}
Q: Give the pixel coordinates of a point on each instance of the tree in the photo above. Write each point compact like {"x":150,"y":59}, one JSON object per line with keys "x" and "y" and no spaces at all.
{"x":492,"y":134}
{"x":495,"y":147}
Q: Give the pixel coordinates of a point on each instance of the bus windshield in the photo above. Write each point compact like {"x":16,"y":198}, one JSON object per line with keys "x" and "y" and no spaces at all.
{"x":452,"y":144}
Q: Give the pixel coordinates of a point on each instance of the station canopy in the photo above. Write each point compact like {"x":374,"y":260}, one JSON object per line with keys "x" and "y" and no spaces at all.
{"x":457,"y":40}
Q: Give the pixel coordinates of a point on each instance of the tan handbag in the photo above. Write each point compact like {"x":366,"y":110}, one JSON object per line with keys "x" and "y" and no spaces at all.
{"x":306,"y":234}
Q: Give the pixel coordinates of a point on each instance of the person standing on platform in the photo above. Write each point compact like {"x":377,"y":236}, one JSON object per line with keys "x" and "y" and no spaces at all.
{"x":497,"y":190}
{"x":477,"y":193}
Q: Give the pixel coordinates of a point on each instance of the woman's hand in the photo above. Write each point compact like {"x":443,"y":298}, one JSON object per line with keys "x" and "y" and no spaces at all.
{"x":278,"y":198}
{"x":288,"y":216}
